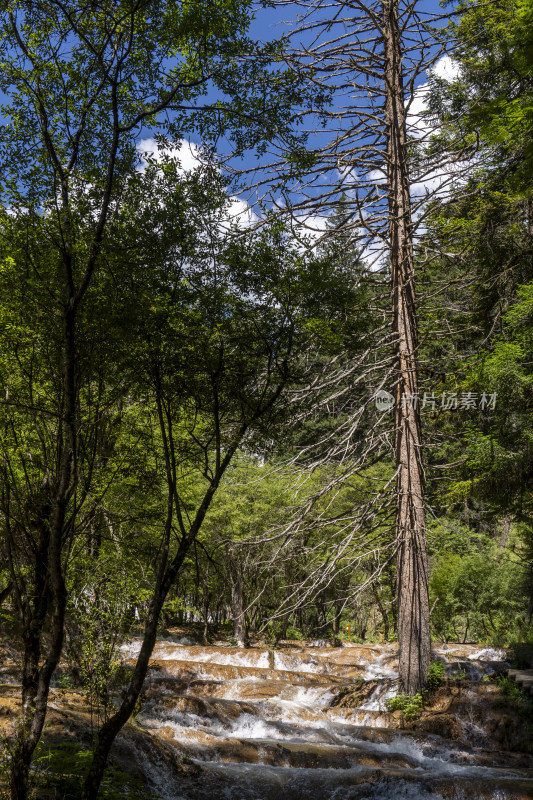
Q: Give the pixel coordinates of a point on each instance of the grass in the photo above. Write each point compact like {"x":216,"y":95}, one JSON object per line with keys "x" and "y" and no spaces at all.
{"x":514,"y":692}
{"x":412,"y":707}
{"x":59,"y":771}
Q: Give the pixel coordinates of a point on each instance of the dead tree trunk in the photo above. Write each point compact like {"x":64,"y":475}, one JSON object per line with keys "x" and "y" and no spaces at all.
{"x":412,"y":566}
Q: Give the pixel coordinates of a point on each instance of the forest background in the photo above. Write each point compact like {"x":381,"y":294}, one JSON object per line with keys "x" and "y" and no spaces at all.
{"x":195,"y":314}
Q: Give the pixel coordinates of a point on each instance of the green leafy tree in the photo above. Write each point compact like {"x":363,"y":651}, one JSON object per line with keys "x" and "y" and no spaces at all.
{"x":212,"y":337}
{"x":80,"y":85}
{"x":474,"y":322}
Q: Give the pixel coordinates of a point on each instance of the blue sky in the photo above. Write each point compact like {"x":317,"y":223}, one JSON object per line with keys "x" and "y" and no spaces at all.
{"x":270,"y":24}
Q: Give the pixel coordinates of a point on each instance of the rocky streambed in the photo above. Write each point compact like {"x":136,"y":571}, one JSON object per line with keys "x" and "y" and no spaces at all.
{"x":308,"y":722}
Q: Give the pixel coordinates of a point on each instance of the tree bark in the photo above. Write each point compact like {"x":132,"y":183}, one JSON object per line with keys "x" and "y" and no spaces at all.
{"x":412,"y":566}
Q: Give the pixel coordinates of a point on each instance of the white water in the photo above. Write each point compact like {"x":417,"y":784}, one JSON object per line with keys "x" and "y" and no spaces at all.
{"x":378,"y":669}
{"x":294,"y":663}
{"x":258,"y":733}
{"x":378,"y":698}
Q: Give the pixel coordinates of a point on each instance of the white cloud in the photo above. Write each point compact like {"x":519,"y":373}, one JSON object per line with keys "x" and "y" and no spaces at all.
{"x":436,"y":182}
{"x":311,"y":225}
{"x":189,"y":156}
{"x":447,"y":69}
{"x":417,"y":124}
{"x":377,"y":176}
{"x":240,"y":213}
{"x":187,"y":153}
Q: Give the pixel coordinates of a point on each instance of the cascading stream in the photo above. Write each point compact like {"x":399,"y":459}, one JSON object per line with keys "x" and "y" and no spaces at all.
{"x":260,"y":725}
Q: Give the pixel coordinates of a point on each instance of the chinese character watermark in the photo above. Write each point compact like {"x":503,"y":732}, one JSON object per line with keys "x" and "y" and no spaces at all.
{"x":446,"y":401}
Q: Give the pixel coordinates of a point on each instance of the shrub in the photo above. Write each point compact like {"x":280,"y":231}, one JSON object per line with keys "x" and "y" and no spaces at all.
{"x":345,"y":637}
{"x":293,"y":633}
{"x":478,"y":597}
{"x":410,"y":707}
{"x":511,"y":689}
{"x":436,"y":675}
{"x":521,"y":655}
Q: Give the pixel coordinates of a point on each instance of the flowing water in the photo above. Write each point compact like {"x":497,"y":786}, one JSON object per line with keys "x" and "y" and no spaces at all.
{"x":268,"y":725}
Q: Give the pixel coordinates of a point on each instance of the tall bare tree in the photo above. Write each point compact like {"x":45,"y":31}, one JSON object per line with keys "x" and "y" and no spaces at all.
{"x":412,"y":565}
{"x":371,"y":156}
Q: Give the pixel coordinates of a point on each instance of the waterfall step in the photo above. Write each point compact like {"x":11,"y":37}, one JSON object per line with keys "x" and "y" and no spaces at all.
{"x":523,"y":677}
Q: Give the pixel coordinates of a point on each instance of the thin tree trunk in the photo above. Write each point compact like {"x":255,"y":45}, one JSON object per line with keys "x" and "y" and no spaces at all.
{"x":237,"y":608}
{"x":168,"y":572}
{"x":282,"y":632}
{"x":167,"y":578}
{"x":49,"y":570}
{"x":384,"y":615}
{"x":335,"y":623}
{"x":412,"y":566}
{"x":4,"y":594}
{"x":114,"y":724}
{"x":505,"y":531}
{"x":205,"y":614}
{"x":529,"y":612}
{"x":33,"y":614}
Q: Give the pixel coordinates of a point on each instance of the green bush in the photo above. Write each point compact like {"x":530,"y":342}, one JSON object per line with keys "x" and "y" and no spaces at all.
{"x":274,"y":632}
{"x":511,"y":689}
{"x":350,"y":638}
{"x":521,"y":654}
{"x":410,"y":707}
{"x":293,"y":633}
{"x":66,"y":681}
{"x":436,"y":675}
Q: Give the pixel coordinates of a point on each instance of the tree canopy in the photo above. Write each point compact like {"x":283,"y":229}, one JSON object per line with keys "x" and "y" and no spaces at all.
{"x":265,"y":334}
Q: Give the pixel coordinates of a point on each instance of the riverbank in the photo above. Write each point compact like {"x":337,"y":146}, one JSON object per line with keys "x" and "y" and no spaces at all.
{"x":299,"y":720}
